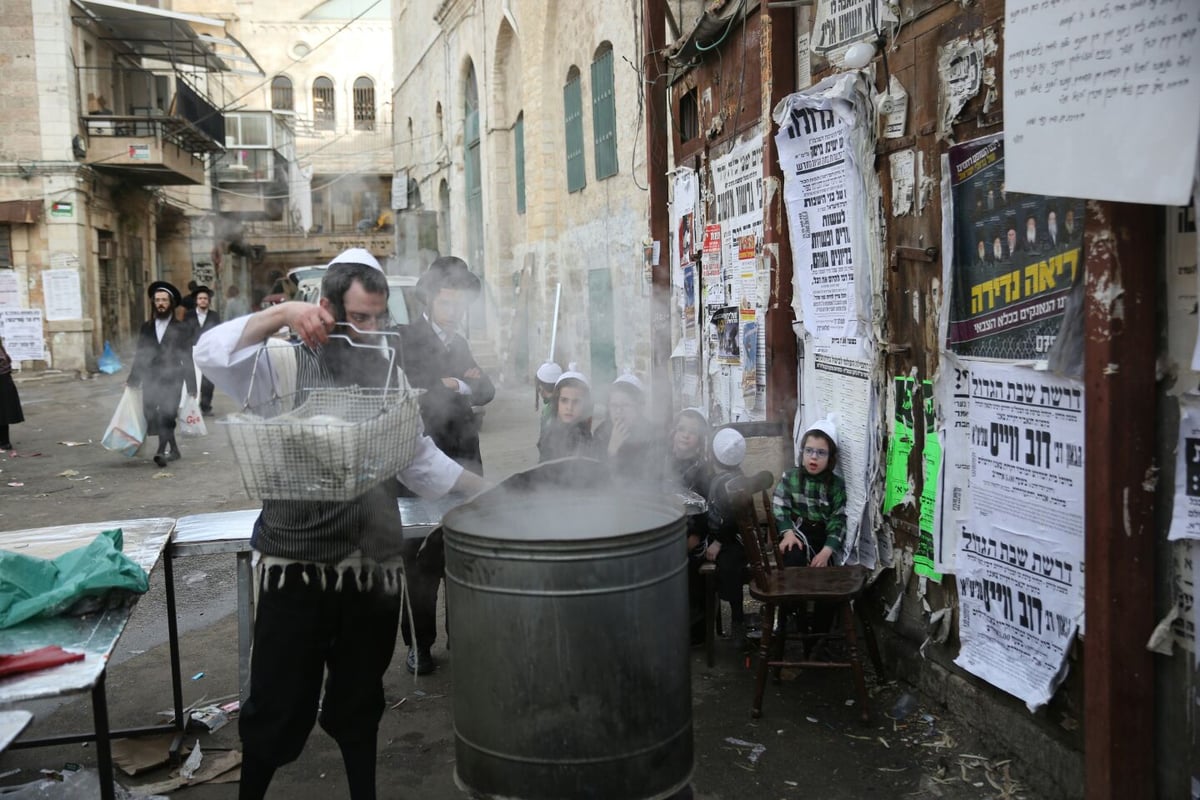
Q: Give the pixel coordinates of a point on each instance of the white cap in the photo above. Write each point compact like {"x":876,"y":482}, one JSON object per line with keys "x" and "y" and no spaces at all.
{"x":699,"y":412}
{"x":573,"y":373}
{"x":549,"y":372}
{"x":631,"y":379}
{"x":355,"y":255}
{"x":729,"y":447}
{"x":827,"y":427}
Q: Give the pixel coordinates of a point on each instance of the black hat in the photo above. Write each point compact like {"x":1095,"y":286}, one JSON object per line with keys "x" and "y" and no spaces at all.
{"x":202,"y":289}
{"x":447,"y":272}
{"x":163,"y":286}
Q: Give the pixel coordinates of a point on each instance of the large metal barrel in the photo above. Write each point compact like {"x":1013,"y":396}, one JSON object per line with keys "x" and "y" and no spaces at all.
{"x":568,"y":612}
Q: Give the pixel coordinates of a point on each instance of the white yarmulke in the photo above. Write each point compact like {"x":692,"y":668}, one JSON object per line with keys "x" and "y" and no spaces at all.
{"x":355,"y":255}
{"x":699,"y":412}
{"x":573,"y":373}
{"x":729,"y":447}
{"x":827,"y":427}
{"x":549,"y":372}
{"x":630,"y":379}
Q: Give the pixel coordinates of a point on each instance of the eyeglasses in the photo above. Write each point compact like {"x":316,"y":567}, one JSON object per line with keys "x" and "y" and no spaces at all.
{"x":816,"y":452}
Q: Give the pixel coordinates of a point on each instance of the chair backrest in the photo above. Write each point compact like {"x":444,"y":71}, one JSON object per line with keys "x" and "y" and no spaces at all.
{"x":761,"y":483}
{"x":768,"y":447}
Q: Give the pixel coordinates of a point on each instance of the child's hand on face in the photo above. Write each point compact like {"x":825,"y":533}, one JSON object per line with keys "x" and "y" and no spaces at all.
{"x":821,"y":559}
{"x":620,"y":434}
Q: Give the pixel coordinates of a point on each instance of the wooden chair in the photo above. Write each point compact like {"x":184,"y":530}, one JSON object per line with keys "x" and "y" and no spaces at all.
{"x":769,"y":448}
{"x":779,"y":588}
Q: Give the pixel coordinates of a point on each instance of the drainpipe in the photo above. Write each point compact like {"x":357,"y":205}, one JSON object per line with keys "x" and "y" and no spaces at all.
{"x":654,"y":81}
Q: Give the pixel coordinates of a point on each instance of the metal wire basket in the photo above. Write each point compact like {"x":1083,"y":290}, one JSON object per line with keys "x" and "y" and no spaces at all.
{"x":330,"y":443}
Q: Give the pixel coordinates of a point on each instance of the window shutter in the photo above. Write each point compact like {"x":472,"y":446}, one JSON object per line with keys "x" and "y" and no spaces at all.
{"x":573,"y":104}
{"x":604,"y":115}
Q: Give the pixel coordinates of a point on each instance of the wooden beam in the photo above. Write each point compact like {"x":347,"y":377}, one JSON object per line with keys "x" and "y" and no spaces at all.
{"x":1121,"y":263}
{"x":654,"y":79}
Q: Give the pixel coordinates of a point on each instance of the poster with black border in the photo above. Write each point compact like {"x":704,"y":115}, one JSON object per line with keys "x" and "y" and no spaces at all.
{"x":1013,"y":258}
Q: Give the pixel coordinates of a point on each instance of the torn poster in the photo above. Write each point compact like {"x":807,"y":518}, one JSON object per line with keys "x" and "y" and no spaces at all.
{"x":952,"y":390}
{"x":1182,"y":285}
{"x":738,"y":197}
{"x":841,"y":23}
{"x":913,"y":410}
{"x":1013,"y":258}
{"x":893,"y":109}
{"x":843,"y":386}
{"x":960,"y":74}
{"x":711,"y":282}
{"x":903,"y":181}
{"x":1185,"y":515}
{"x":825,"y":142}
{"x":749,"y":330}
{"x":1020,"y":565}
{"x":1075,"y":67}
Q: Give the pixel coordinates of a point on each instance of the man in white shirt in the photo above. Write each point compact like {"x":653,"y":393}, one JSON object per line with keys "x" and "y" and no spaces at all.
{"x":327,"y":573}
{"x":200,"y":319}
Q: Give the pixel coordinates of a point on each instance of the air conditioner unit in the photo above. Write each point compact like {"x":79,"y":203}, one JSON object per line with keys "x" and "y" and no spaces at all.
{"x":107,"y":248}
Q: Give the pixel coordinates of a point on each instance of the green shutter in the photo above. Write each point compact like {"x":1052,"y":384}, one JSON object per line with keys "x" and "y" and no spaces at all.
{"x":604,"y":115}
{"x":519,"y":152}
{"x":573,"y":106}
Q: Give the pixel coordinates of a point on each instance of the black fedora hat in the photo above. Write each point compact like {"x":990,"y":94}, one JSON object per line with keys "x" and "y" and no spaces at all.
{"x":447,"y":272}
{"x":163,"y":286}
{"x":202,"y":289}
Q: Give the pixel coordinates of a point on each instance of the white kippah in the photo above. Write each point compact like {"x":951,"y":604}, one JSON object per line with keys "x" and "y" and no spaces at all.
{"x":549,"y":372}
{"x":729,"y":447}
{"x":355,"y":255}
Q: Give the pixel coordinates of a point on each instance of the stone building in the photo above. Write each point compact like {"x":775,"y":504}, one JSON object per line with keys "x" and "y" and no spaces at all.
{"x":520,"y":129}
{"x":106,"y":103}
{"x":308,"y":168}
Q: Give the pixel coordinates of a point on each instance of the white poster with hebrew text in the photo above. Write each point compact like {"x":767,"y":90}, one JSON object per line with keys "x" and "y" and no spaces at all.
{"x":1020,"y":563}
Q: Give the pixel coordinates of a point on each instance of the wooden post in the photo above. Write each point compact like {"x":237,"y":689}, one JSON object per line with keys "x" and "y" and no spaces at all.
{"x":1121,"y":260}
{"x":654,"y":79}
{"x":778,"y":59}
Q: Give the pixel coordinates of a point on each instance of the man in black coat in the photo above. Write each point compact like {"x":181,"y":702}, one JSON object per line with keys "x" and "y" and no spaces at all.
{"x":438,"y":359}
{"x":162,"y":366}
{"x":200,"y":319}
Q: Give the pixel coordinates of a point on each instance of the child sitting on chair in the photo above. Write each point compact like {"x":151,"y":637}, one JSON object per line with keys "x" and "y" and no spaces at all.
{"x":725,"y":506}
{"x":810,"y":501}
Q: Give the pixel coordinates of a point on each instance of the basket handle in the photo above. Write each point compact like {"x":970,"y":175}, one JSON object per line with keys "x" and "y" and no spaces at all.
{"x":383,"y":346}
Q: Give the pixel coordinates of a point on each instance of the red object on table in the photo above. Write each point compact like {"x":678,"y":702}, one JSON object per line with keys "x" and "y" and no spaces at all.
{"x":33,"y":660}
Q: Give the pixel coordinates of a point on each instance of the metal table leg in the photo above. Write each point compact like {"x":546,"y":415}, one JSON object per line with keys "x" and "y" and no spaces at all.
{"x":173,"y":640}
{"x":103,"y":742}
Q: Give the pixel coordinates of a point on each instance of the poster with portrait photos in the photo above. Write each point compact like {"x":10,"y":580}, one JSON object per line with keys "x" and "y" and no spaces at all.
{"x":1013,"y":258}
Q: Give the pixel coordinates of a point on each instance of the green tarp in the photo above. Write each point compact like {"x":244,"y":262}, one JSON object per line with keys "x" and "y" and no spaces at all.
{"x":31,"y":587}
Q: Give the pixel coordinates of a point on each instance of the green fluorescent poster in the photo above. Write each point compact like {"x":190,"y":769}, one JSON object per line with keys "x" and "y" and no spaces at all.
{"x":900,"y":446}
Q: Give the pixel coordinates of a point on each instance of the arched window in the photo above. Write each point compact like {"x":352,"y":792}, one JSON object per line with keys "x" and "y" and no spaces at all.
{"x":364,"y":104}
{"x":324,"y":109}
{"x":281,"y":93}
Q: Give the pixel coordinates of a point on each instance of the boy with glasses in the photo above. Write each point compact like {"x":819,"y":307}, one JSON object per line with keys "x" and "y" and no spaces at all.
{"x":810,"y":502}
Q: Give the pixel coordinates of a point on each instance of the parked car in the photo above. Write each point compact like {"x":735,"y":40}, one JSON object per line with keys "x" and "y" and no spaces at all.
{"x":287,"y":288}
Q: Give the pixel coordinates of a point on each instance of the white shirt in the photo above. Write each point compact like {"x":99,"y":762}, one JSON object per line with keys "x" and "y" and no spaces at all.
{"x":244,"y":376}
{"x":160,"y":328}
{"x":201,"y":316}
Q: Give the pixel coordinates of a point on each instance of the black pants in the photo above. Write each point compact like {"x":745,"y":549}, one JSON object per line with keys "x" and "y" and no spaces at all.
{"x":4,"y":434}
{"x":423,"y":580}
{"x":731,"y":576}
{"x":206,"y":394}
{"x":304,"y":633}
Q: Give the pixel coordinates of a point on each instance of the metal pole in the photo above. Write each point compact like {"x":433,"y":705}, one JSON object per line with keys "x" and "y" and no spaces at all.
{"x":554,"y":322}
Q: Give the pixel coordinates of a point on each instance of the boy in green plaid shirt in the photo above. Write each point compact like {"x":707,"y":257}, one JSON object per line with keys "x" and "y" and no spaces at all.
{"x":810,"y":502}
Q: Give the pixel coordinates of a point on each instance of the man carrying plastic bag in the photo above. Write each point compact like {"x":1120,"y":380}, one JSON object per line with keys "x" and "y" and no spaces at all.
{"x":127,"y":429}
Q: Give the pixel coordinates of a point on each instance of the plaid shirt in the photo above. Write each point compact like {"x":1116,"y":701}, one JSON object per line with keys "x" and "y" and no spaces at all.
{"x":801,"y":498}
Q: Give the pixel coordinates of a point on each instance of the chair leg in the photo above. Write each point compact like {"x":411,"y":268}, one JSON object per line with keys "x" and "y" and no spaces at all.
{"x":764,"y":651}
{"x":712,"y":619}
{"x":855,"y":662}
{"x":872,"y":647}
{"x":779,"y":642}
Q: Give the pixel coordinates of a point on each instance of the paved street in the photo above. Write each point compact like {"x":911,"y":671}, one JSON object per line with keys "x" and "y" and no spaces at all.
{"x":814,"y":744}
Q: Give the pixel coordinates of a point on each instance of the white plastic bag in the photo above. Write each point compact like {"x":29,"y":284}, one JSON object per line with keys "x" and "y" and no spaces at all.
{"x":190,"y":421}
{"x":127,"y":429}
